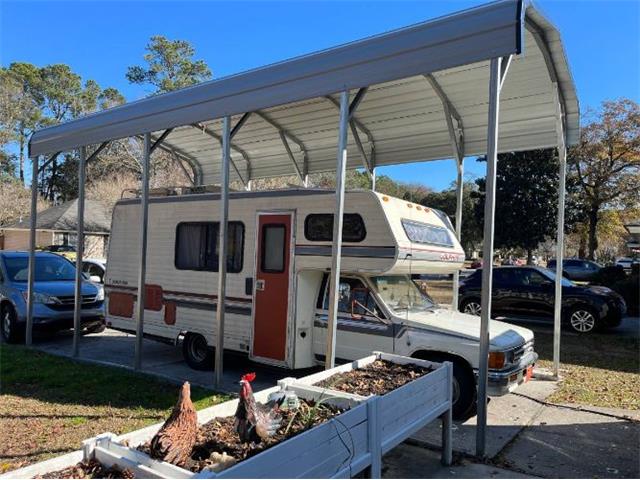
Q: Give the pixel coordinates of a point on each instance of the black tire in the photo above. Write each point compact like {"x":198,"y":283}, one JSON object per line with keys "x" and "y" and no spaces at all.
{"x":471,"y":306}
{"x":464,"y":400}
{"x":464,"y":384}
{"x":583,"y":320}
{"x":196,"y":352}
{"x":11,"y":331}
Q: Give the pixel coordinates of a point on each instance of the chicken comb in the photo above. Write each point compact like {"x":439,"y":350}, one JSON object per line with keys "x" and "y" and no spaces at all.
{"x":249,"y":377}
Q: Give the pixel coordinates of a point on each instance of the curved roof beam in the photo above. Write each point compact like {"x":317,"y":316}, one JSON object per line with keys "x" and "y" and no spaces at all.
{"x":541,"y":42}
{"x":182,"y":155}
{"x":286,"y":135}
{"x":368,"y":162}
{"x":233,"y":146}
{"x":456,"y":133}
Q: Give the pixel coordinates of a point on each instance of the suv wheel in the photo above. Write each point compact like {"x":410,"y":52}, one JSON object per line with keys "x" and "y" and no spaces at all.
{"x":582,"y":320}
{"x":471,"y":306}
{"x":10,"y":329}
{"x":196,"y":352}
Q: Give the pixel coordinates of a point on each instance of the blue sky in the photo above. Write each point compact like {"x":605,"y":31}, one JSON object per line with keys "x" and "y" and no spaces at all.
{"x":100,"y":39}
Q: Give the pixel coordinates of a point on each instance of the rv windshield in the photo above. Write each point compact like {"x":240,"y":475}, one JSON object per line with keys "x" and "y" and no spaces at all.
{"x":401,"y":294}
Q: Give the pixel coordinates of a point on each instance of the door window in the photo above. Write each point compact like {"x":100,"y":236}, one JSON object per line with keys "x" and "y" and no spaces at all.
{"x":354,"y":298}
{"x":534,"y":278}
{"x":273,"y":248}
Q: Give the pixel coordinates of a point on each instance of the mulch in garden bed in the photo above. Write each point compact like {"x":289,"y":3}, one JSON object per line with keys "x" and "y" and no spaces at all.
{"x":218,"y":437}
{"x":90,"y":469}
{"x":377,"y":378}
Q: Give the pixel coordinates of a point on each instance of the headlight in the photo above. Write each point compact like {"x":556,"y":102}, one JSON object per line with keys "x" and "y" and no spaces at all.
{"x":496,"y":360}
{"x":41,"y":298}
{"x":100,"y":295}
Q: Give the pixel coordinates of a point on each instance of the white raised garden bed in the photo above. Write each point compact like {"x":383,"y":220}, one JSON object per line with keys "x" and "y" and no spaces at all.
{"x":341,"y":447}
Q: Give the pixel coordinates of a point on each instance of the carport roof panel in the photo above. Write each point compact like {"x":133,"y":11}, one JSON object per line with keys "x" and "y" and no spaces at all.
{"x":405,"y":115}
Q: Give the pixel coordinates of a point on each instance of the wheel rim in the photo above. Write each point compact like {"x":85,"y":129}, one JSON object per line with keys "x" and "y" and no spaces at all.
{"x":582,"y":321}
{"x":198,"y":349}
{"x":6,"y":324}
{"x":472,"y":308}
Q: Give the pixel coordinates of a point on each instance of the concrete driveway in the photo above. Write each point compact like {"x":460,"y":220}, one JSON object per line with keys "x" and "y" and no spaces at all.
{"x":115,"y":348}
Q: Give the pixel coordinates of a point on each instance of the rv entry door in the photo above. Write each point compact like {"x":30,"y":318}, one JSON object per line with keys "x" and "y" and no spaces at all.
{"x":272,"y":282}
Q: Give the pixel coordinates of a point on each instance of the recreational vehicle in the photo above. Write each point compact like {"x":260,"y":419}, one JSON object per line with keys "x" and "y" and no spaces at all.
{"x":279,"y":257}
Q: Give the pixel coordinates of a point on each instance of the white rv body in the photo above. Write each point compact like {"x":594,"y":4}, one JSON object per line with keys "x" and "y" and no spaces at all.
{"x":182,"y":301}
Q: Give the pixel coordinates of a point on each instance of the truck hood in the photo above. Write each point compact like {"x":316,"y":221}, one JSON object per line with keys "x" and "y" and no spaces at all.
{"x":501,"y":335}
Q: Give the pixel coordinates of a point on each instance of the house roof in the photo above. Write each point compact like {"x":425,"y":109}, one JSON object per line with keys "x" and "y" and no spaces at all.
{"x":64,"y":218}
{"x":400,"y":118}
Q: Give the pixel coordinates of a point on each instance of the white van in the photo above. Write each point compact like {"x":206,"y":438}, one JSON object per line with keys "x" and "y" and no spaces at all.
{"x":277,"y":288}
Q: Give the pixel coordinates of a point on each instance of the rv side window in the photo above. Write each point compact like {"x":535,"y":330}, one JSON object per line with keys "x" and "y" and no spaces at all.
{"x":197,"y":246}
{"x":318,"y":227}
{"x":424,"y":233}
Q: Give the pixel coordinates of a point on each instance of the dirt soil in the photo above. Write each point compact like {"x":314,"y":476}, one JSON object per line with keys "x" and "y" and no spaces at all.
{"x":219,"y":436}
{"x":90,"y":469}
{"x":377,"y":378}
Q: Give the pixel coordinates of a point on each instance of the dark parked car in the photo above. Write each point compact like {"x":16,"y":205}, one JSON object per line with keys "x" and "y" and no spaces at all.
{"x":577,"y":269}
{"x":530,"y":292}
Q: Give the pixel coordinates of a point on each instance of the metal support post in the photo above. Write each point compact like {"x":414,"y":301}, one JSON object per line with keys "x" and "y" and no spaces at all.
{"x":77,"y":305}
{"x":557,"y":311}
{"x":336,"y":250}
{"x":373,"y":179}
{"x":447,"y":424}
{"x":487,"y":250}
{"x":222,"y":246}
{"x":142,"y":268}
{"x":32,"y":251}
{"x":459,"y":198}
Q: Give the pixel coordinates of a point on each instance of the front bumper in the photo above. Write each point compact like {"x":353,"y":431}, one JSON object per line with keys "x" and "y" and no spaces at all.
{"x":46,"y":318}
{"x":502,"y":382}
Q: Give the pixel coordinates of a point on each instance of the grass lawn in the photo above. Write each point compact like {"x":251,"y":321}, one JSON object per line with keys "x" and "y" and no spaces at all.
{"x":601,"y":370}
{"x":49,"y":404}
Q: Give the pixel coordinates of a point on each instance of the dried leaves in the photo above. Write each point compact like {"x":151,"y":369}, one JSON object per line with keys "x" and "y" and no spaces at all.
{"x":90,"y":469}
{"x":377,"y":378}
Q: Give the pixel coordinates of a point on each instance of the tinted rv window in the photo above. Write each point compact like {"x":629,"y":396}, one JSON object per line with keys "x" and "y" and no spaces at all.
{"x":197,"y":246}
{"x":424,"y":233}
{"x":318,"y":227}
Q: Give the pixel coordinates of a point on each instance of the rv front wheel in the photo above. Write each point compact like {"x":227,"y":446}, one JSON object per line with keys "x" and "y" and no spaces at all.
{"x":196,"y":352}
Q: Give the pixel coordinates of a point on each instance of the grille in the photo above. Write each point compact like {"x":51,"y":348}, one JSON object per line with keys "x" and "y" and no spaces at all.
{"x":522,"y":350}
{"x":70,"y":299}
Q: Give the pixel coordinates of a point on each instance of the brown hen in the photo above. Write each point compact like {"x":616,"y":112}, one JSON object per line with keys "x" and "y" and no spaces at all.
{"x":175,"y":440}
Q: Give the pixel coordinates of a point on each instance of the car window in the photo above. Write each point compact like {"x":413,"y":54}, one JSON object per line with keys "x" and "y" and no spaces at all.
{"x":352,"y":293}
{"x":49,"y":268}
{"x":533,"y":278}
{"x":503,"y":276}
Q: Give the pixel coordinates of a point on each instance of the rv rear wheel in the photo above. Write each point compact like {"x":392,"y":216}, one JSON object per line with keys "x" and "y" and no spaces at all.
{"x":196,"y":352}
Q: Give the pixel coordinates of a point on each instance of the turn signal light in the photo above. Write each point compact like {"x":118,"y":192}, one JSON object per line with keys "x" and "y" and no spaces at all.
{"x":496,"y":360}
{"x":385,"y":199}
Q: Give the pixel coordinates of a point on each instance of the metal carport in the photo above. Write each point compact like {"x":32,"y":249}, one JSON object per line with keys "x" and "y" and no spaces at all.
{"x":435,"y":90}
